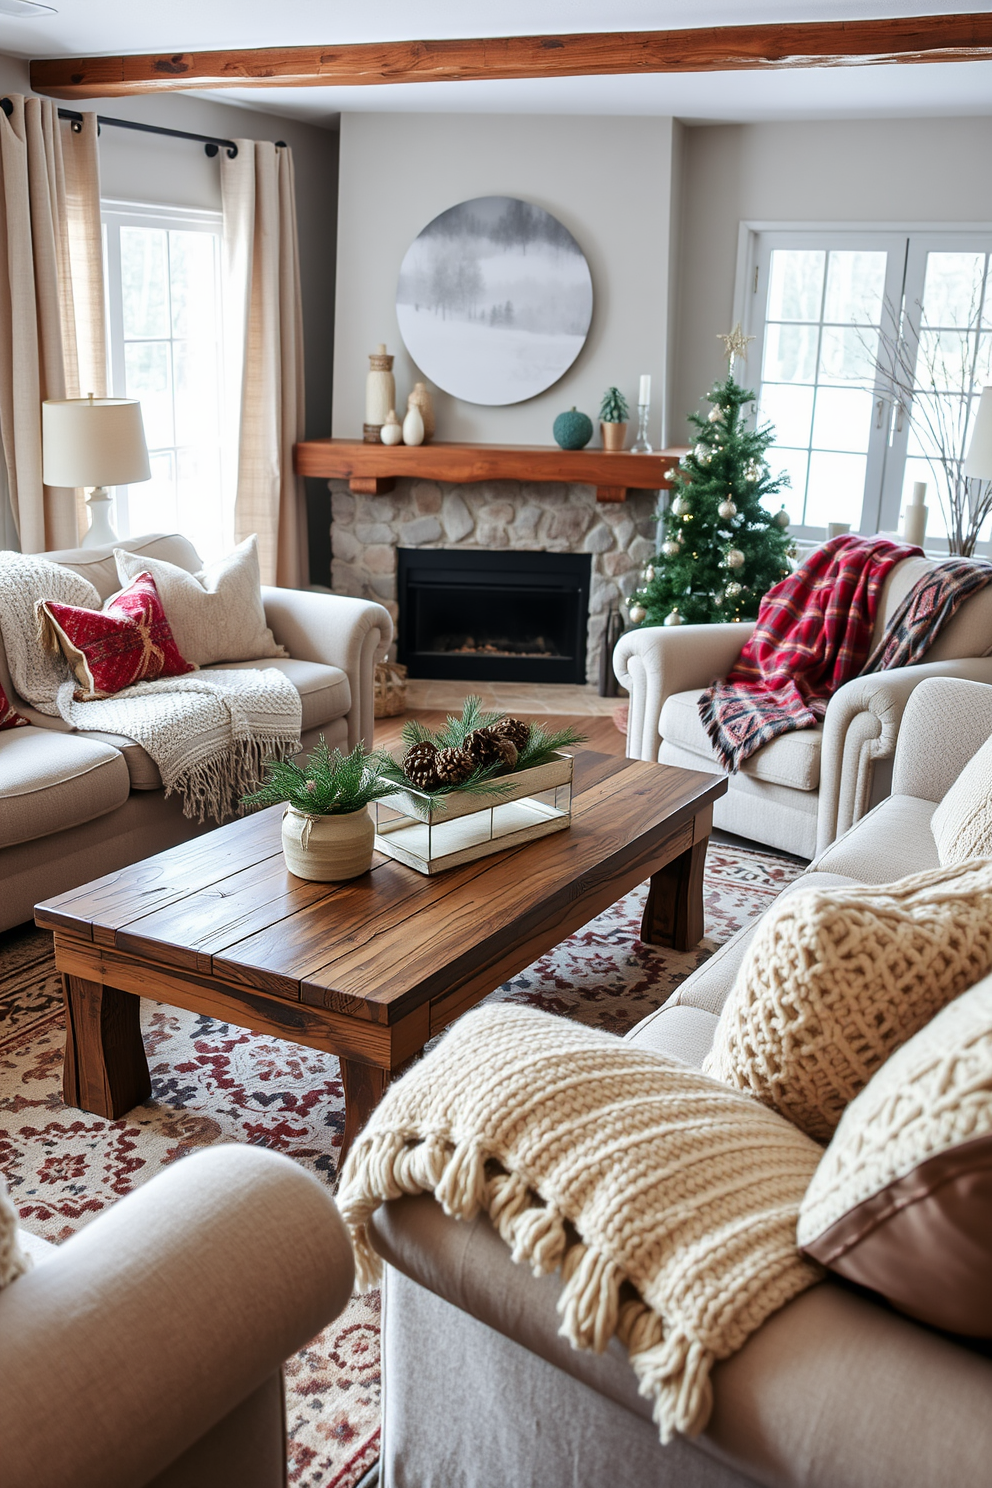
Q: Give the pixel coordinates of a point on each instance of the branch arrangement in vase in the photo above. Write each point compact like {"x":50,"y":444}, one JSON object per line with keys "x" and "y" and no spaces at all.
{"x":470,"y":753}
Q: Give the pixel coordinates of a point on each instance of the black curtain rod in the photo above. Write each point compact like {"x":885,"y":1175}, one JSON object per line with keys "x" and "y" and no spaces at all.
{"x":210,"y":143}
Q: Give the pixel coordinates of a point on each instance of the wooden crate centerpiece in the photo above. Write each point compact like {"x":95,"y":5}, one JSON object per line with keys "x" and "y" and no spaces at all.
{"x":431,"y":823}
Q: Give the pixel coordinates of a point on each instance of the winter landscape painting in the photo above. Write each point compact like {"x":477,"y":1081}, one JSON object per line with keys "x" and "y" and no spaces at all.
{"x":494,"y":300}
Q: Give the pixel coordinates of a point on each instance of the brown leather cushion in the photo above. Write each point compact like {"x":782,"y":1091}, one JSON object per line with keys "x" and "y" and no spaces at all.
{"x":902,"y":1200}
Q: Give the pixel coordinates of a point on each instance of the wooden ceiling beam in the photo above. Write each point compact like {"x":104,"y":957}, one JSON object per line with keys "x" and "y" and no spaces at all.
{"x":939,"y":38}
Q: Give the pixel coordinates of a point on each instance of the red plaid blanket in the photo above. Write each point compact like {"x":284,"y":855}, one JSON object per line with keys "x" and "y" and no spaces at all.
{"x":812,"y":635}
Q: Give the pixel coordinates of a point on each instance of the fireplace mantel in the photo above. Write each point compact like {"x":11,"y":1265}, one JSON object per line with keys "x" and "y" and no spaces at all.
{"x":372,"y":469}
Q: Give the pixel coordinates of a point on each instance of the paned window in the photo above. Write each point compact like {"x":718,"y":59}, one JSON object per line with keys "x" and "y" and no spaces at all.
{"x":163,"y":271}
{"x":834,"y":315}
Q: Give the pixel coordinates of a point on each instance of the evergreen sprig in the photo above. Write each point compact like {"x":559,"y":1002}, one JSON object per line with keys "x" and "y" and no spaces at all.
{"x":542,"y":744}
{"x":328,"y":783}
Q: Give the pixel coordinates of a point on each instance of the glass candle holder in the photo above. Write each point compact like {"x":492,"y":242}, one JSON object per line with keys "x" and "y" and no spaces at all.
{"x":641,"y":446}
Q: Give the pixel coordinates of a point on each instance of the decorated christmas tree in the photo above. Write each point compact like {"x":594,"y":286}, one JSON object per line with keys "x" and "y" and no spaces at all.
{"x":720,"y":548}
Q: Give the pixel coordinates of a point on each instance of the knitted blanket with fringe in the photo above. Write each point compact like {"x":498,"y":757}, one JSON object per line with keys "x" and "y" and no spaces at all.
{"x":812,"y":635}
{"x":209,"y":733}
{"x":667,"y":1201}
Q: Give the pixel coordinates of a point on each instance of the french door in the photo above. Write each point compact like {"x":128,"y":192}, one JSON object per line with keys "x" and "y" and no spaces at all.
{"x":831,"y":312}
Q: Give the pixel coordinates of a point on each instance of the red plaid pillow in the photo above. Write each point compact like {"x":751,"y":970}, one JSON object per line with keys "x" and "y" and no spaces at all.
{"x":128,"y":641}
{"x":8,"y":717}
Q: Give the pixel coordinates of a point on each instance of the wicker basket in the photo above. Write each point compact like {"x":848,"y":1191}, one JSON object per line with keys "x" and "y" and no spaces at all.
{"x":390,"y":689}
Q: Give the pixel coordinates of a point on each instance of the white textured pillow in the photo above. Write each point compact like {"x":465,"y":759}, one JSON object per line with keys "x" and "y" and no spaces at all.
{"x":216,"y":614}
{"x":962,"y":823}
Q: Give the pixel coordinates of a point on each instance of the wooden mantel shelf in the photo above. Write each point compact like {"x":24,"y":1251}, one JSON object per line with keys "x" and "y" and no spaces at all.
{"x":372,"y":469}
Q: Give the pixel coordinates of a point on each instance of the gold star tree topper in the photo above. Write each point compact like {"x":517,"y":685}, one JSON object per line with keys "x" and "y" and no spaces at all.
{"x":736,"y":343}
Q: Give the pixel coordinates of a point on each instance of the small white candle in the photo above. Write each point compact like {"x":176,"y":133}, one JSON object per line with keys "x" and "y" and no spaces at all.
{"x":919,"y":493}
{"x":644,"y":396}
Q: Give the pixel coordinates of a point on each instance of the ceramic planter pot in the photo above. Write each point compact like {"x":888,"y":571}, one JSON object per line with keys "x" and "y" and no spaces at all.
{"x":327,"y":848}
{"x":614,"y":436}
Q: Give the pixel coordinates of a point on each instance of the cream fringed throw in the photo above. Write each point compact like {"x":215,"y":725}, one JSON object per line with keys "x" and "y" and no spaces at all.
{"x":209,"y":734}
{"x":673,"y":1183}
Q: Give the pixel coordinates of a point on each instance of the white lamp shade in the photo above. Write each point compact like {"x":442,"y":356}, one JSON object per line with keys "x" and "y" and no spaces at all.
{"x":93,"y":442}
{"x":978,"y":461}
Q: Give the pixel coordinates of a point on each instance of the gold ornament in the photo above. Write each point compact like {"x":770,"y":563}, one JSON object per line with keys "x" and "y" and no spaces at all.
{"x":715,"y":415}
{"x":637,"y":614}
{"x":727,"y":509}
{"x":734,"y":558}
{"x":673,"y":618}
{"x":736,"y":343}
{"x":681,"y":505}
{"x":733,"y":589}
{"x":649,"y":573}
{"x":703,"y":454}
{"x":669,"y":549}
{"x":782,"y":517}
{"x":752,"y":471}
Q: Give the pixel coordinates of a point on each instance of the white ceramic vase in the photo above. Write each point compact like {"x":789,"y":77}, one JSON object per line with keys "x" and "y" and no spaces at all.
{"x":413,"y":426}
{"x":392,"y":430}
{"x":380,"y":387}
{"x":327,"y":849}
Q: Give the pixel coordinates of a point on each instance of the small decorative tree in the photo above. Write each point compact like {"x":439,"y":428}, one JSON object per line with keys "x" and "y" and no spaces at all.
{"x":720,"y":550}
{"x":614,"y":408}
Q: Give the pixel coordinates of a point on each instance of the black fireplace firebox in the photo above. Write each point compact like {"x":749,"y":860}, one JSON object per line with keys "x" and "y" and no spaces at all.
{"x":493,"y":616}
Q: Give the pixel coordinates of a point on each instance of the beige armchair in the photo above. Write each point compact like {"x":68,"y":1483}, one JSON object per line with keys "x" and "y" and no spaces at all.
{"x":804,"y":788}
{"x":147,"y":1351}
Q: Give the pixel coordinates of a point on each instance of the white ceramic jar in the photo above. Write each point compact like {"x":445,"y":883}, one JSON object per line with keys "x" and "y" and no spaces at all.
{"x":327,"y":849}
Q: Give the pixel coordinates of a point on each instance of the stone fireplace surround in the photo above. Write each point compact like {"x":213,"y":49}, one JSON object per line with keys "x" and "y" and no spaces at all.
{"x":531,"y":517}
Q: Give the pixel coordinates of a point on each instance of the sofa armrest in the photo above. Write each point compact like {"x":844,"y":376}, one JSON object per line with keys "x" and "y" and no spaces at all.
{"x":861,"y":728}
{"x":656,"y":661}
{"x":352,"y":634}
{"x":947,"y":720}
{"x":163,"y":1315}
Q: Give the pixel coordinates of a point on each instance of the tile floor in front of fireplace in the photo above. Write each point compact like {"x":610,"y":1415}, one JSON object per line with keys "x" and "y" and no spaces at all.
{"x":522,"y":697}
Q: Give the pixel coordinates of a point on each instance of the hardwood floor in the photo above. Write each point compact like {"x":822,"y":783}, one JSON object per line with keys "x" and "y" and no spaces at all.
{"x":582,"y":708}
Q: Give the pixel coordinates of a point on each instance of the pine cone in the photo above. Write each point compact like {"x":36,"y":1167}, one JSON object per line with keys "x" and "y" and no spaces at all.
{"x":453,"y":766}
{"x":420,"y":766}
{"x":508,"y":751}
{"x":513,"y":729}
{"x":484,"y":748}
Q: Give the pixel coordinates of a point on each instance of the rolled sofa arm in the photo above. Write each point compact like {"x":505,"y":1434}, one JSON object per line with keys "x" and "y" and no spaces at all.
{"x":157,"y":1320}
{"x":352,"y":634}
{"x":861,"y":728}
{"x":657,"y":661}
{"x":947,"y":720}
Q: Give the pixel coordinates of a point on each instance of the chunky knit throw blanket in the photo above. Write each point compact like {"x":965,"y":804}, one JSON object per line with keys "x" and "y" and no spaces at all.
{"x":208,"y":733}
{"x":812,"y":635}
{"x":668,"y":1201}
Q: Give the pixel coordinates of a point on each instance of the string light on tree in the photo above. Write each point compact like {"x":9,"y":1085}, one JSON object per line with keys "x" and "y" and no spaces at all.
{"x":723,"y":481}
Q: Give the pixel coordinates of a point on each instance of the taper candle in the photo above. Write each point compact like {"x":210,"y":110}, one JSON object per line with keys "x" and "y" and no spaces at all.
{"x":644,"y":395}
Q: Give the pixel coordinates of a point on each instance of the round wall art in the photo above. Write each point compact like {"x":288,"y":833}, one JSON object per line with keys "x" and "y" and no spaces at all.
{"x":494,"y":300}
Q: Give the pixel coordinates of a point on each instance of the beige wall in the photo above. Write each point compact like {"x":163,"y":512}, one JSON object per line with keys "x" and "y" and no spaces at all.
{"x":892,"y":171}
{"x":608,"y":180}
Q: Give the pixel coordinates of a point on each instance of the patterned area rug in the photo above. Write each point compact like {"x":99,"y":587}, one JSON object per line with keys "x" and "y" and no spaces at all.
{"x":213,"y":1082}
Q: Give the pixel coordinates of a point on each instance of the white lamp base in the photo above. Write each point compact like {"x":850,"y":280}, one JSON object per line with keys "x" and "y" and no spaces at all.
{"x":100,"y":533}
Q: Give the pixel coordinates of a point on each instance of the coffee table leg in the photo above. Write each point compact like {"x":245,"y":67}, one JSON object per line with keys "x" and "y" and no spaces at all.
{"x":105,"y":1069}
{"x":364,"y":1086}
{"x":673,"y":914}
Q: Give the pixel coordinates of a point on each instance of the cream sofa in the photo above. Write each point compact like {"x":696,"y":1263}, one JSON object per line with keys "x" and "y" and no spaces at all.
{"x":834,"y":1391}
{"x":147,"y":1349}
{"x":74,"y":806}
{"x":807,"y":787}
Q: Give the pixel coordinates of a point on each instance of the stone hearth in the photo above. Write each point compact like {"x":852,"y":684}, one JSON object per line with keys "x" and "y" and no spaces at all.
{"x":367,"y":530}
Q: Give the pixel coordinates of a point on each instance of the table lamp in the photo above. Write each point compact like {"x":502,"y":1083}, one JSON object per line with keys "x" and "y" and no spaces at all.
{"x":978,"y":461}
{"x":96,"y":442}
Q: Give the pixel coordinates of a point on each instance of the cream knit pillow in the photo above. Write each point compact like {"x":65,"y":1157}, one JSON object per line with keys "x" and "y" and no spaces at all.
{"x":836,"y":979}
{"x":216,"y":614}
{"x":13,"y":1261}
{"x":902,"y":1199}
{"x":962,"y":823}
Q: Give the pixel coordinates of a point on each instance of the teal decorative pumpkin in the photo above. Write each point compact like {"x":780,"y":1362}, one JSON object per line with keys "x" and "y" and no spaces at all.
{"x":572,"y":430}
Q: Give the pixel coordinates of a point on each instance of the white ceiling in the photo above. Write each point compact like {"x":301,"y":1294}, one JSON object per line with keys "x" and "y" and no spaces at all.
{"x":95,"y":27}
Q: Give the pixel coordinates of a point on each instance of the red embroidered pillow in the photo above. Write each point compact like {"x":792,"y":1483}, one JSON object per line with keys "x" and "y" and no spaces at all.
{"x":128,"y":641}
{"x":8,"y":717}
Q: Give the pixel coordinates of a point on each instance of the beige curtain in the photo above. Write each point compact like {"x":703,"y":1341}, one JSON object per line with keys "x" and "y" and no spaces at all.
{"x":52,"y":320}
{"x":264,"y":329}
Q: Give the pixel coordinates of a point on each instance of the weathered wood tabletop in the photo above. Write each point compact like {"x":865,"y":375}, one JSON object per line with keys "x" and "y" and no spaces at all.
{"x":372,"y":968}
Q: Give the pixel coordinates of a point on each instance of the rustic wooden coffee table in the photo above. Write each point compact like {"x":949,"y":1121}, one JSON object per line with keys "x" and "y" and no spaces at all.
{"x":371,"y":969}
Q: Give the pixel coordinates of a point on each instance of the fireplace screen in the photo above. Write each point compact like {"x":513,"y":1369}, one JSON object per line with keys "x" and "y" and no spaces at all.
{"x":511,"y":617}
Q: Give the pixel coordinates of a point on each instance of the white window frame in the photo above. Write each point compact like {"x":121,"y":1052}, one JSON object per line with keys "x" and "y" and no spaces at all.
{"x":116,"y":213}
{"x":881,"y":509}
